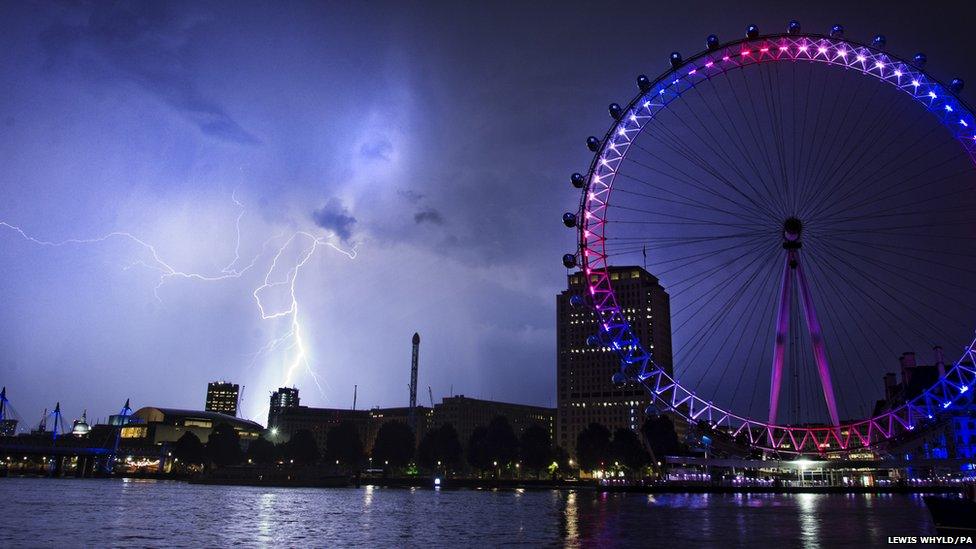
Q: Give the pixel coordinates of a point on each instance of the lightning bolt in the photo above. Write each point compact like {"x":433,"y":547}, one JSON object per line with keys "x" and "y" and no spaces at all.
{"x":307,"y":245}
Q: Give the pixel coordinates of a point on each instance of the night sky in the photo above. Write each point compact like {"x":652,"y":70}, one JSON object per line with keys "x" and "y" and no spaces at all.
{"x":425,"y":146}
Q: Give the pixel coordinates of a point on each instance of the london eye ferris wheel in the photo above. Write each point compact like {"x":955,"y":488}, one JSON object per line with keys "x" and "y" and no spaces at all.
{"x":807,"y":202}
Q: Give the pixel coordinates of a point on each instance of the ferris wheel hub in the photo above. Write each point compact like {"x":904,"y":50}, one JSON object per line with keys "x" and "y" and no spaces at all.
{"x":792,"y":228}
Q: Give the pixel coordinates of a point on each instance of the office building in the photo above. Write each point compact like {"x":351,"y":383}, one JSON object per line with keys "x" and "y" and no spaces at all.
{"x":467,"y":414}
{"x":584,"y":391}
{"x":222,"y":397}
{"x":282,"y":399}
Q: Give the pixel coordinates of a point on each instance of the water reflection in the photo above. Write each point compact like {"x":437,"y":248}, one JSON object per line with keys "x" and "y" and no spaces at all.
{"x":113,"y":512}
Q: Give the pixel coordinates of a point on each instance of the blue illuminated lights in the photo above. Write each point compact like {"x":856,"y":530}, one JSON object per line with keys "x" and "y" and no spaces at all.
{"x":636,"y":362}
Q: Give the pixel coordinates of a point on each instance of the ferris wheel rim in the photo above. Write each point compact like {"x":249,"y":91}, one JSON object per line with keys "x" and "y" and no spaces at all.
{"x":637,"y":364}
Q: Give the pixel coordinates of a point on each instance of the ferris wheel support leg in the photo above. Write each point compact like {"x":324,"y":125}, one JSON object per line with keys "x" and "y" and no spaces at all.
{"x":779,"y":346}
{"x":816,"y":338}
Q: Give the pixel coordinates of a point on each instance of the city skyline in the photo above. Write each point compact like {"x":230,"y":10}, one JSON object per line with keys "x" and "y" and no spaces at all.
{"x":364,"y":153}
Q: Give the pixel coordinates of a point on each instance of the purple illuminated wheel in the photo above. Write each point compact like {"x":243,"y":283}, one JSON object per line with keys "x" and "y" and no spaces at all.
{"x":806,"y":202}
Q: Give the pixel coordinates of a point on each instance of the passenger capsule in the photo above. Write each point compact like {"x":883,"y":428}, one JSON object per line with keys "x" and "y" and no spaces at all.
{"x":837,"y":31}
{"x":643,"y":83}
{"x":593,"y":143}
{"x":619,"y":379}
{"x":793,"y":27}
{"x":569,"y":260}
{"x":569,"y":219}
{"x":593,"y":340}
{"x":752,"y":31}
{"x":956,"y":85}
{"x":920,"y":59}
{"x":879,"y":41}
{"x":675,"y":59}
{"x":577,"y":302}
{"x":712,"y":42}
{"x":578,"y":180}
{"x":616,"y":111}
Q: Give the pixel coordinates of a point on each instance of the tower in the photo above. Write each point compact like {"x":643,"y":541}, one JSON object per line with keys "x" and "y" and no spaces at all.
{"x":585,"y":393}
{"x":413,"y":380}
{"x":282,"y":399}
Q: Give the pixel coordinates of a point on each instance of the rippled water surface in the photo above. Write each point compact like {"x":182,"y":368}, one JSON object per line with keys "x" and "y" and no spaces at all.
{"x":70,"y":513}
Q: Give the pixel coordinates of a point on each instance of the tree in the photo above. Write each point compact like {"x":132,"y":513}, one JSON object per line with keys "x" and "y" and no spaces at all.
{"x":593,"y":447}
{"x":343,"y":444}
{"x":502,"y":443}
{"x":302,"y":447}
{"x":628,"y":450}
{"x":224,"y":446}
{"x":561,"y":458}
{"x":188,"y":449}
{"x":479,"y":455}
{"x":394,"y":444}
{"x":440,"y":445}
{"x":535,"y":448}
{"x":262,"y":450}
{"x":660,"y":436}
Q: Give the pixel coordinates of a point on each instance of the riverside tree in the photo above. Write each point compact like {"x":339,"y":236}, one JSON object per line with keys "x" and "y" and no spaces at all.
{"x":394,"y":444}
{"x":593,"y":447}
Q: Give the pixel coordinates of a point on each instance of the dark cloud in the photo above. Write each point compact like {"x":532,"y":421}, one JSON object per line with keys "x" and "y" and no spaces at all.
{"x":428,"y":215}
{"x":145,"y":43}
{"x":333,"y":216}
{"x":380,"y":149}
{"x":411,"y":196}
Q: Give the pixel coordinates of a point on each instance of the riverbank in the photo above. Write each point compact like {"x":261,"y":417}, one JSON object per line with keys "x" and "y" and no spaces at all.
{"x":535,"y":484}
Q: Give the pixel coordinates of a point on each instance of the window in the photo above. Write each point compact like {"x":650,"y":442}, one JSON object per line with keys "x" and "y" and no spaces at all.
{"x":204,"y":423}
{"x":138,"y":431}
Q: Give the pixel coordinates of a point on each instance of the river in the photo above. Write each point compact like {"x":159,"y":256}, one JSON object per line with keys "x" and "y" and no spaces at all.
{"x":117,"y":512}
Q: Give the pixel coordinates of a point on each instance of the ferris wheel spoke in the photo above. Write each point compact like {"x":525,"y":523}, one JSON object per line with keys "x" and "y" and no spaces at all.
{"x":924,"y":278}
{"x":703,"y":340}
{"x":746,"y":321}
{"x":803,"y":190}
{"x":690,"y":203}
{"x":874,"y":178}
{"x":910,"y":191}
{"x":852,"y":153}
{"x":705,"y":166}
{"x":689,"y":282}
{"x":715,"y":290}
{"x":759,"y":146}
{"x":743,"y":153}
{"x":889,"y":292}
{"x":834,"y":319}
{"x":897,"y":210}
{"x":691,"y":181}
{"x":846,"y":291}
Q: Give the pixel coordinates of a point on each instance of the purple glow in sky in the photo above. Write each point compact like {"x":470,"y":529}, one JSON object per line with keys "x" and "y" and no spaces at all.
{"x":304,"y":186}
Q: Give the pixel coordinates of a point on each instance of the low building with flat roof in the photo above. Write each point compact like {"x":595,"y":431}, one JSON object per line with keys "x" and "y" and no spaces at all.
{"x":166,"y":425}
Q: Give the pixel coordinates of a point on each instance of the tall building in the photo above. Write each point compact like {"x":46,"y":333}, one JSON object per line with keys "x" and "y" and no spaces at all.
{"x":282,"y":399}
{"x":467,"y":414}
{"x":222,"y":397}
{"x":584,"y":391}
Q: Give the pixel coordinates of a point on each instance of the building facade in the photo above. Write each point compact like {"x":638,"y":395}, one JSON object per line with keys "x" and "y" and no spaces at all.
{"x":282,"y":399}
{"x":467,"y":414}
{"x":584,"y":391}
{"x":319,"y":421}
{"x":954,"y":434}
{"x":152,"y":425}
{"x":223,"y":397}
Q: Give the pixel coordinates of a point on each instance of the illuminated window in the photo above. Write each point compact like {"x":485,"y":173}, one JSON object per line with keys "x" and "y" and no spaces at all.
{"x":206,"y":424}
{"x":139,"y":431}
